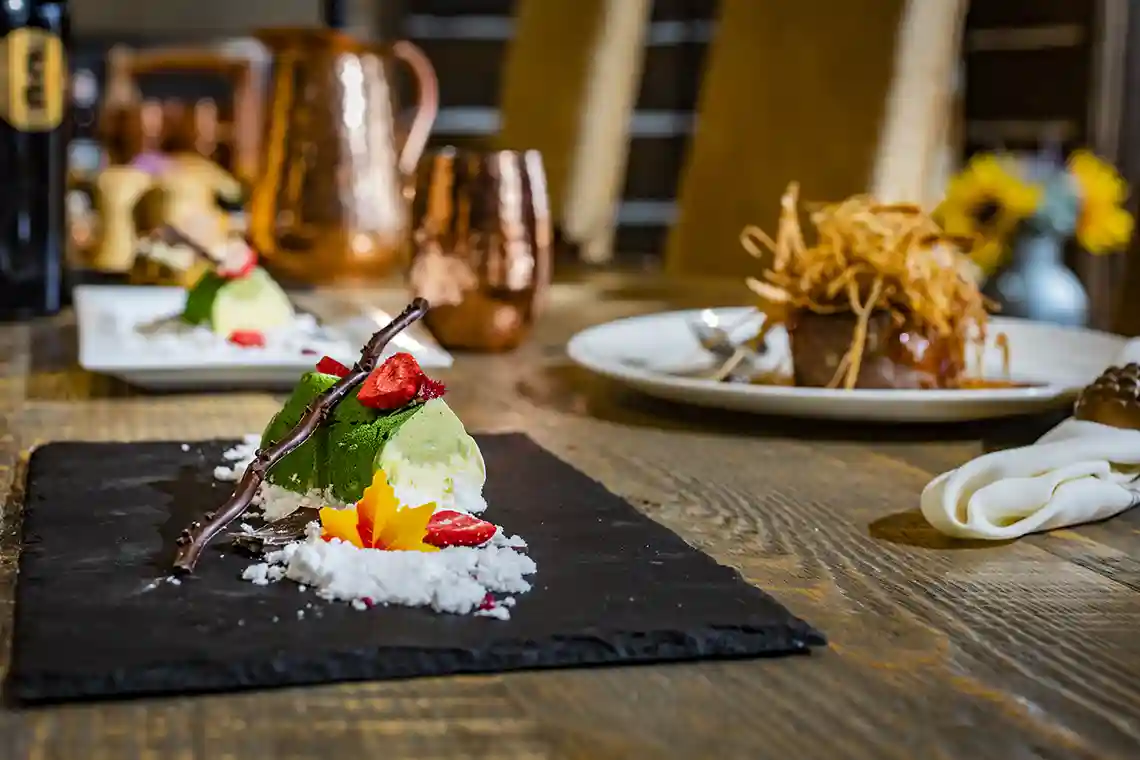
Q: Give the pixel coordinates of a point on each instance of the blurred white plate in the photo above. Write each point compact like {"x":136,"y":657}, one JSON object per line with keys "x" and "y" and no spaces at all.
{"x":109,"y":343}
{"x":650,"y":353}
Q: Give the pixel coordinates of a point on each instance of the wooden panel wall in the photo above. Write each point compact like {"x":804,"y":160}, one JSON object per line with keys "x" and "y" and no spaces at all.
{"x":1028,"y":73}
{"x":678,"y":39}
{"x":467,"y":42}
{"x":792,"y":91}
{"x":206,"y":18}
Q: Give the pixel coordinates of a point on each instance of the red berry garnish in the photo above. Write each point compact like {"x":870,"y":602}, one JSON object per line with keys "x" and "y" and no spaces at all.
{"x":238,"y":260}
{"x":488,"y":602}
{"x":330,"y":366}
{"x":430,"y":389}
{"x":247,"y":338}
{"x":393,"y":384}
{"x":451,"y":528}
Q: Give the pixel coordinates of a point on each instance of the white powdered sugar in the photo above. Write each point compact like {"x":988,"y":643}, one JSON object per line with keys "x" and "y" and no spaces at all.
{"x":240,"y":456}
{"x":458,"y":580}
{"x":301,"y":335}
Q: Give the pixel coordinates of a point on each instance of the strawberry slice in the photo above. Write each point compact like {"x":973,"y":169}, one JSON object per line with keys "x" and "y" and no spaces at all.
{"x":247,"y":338}
{"x":451,"y":528}
{"x":330,"y":366}
{"x":238,"y":260}
{"x":393,"y":384}
{"x":430,"y":389}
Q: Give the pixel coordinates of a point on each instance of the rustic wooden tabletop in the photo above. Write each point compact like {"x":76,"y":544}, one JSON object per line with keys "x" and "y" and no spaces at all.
{"x":939,"y":649}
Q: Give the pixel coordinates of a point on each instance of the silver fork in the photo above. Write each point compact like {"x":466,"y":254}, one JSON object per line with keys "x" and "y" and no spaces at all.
{"x":718,"y":342}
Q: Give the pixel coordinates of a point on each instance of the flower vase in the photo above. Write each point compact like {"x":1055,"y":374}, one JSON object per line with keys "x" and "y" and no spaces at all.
{"x":1036,"y":284}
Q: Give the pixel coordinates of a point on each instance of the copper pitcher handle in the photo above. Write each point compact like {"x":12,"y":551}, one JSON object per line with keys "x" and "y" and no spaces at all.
{"x":427,"y":107}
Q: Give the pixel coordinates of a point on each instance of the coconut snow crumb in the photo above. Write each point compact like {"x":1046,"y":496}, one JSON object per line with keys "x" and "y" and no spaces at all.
{"x":241,"y":456}
{"x":457,"y":580}
{"x":263,"y":573}
{"x":302,"y":335}
{"x":185,"y":447}
{"x":502,"y":539}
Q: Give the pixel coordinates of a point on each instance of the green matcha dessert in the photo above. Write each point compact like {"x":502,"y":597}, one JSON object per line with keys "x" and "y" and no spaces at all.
{"x":253,"y":303}
{"x":398,"y":422}
{"x":237,"y":299}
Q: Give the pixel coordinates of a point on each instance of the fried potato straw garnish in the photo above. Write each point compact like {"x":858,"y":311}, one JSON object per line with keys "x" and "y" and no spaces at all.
{"x":868,"y":257}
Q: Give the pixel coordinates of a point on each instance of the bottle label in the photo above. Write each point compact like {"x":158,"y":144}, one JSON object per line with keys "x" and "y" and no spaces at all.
{"x":33,"y":76}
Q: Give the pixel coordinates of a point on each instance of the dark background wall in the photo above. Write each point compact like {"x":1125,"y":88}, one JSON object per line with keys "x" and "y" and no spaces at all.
{"x":180,"y":18}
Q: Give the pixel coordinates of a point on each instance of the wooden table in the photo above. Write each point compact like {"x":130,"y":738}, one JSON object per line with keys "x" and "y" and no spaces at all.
{"x":938,"y":649}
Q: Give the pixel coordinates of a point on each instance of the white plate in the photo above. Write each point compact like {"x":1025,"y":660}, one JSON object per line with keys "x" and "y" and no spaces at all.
{"x":109,"y":343}
{"x":648,"y":353}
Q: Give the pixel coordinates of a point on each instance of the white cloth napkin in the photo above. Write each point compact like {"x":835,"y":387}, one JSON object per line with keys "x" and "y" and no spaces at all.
{"x":1077,"y":472}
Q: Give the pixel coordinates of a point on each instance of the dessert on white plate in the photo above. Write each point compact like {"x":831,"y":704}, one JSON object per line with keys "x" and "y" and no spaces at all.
{"x":234,"y":302}
{"x":234,"y":327}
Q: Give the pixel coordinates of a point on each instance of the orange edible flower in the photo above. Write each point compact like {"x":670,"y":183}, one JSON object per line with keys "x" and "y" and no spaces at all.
{"x":378,"y":522}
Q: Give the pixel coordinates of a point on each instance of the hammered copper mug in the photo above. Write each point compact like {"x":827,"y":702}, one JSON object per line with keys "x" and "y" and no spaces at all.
{"x":481,"y":252}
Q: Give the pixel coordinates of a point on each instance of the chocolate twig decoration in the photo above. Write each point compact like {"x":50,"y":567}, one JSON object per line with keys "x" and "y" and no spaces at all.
{"x":172,"y":236}
{"x":193,"y":539}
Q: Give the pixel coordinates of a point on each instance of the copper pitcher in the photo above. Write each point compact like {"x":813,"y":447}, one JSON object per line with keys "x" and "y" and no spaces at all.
{"x":330,"y":203}
{"x":481,"y":246}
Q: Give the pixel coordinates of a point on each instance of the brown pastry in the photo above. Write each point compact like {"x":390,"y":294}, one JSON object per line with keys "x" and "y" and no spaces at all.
{"x":1112,"y":399}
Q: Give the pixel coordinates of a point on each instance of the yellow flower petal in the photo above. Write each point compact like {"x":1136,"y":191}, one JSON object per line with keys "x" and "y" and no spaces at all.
{"x":405,"y":530}
{"x":989,"y":256}
{"x":1103,"y":230}
{"x":340,"y":523}
{"x":382,"y":524}
{"x":1103,"y":224}
{"x":987,"y":199}
{"x":377,"y":505}
{"x":1099,"y":182}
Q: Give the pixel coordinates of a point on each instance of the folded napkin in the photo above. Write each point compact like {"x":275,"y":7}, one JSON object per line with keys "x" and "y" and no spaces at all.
{"x":1078,"y":472}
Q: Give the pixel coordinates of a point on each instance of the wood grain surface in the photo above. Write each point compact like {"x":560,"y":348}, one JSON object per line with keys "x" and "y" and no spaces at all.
{"x":939,"y":649}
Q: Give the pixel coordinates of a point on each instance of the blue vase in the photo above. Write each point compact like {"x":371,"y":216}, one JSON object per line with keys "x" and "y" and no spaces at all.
{"x":1037,"y":285}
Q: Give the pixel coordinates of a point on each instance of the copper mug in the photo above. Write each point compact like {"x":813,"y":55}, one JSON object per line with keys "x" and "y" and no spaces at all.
{"x":481,"y":246}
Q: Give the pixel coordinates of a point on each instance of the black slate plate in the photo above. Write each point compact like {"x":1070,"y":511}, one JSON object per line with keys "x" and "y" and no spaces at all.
{"x":100,"y":520}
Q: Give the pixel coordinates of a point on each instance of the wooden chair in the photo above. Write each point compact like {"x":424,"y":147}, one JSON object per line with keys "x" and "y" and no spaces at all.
{"x":569,"y":87}
{"x":844,"y":96}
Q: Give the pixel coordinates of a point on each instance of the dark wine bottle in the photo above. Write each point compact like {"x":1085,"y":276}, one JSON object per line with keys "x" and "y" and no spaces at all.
{"x":33,"y":156}
{"x":333,"y":14}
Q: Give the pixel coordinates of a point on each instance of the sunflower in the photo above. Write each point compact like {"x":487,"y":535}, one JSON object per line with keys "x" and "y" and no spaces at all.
{"x":1103,"y":224}
{"x":986,"y":201}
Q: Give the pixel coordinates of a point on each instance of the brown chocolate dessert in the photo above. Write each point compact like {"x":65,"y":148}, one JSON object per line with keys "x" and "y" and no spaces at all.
{"x":893,"y":357}
{"x":882,"y":298}
{"x":1112,"y":399}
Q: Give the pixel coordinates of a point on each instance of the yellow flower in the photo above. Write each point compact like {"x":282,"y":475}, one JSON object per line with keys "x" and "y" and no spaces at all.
{"x":378,"y":522}
{"x":989,"y":255}
{"x":1103,"y":225}
{"x":985,"y":202}
{"x":986,"y":198}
